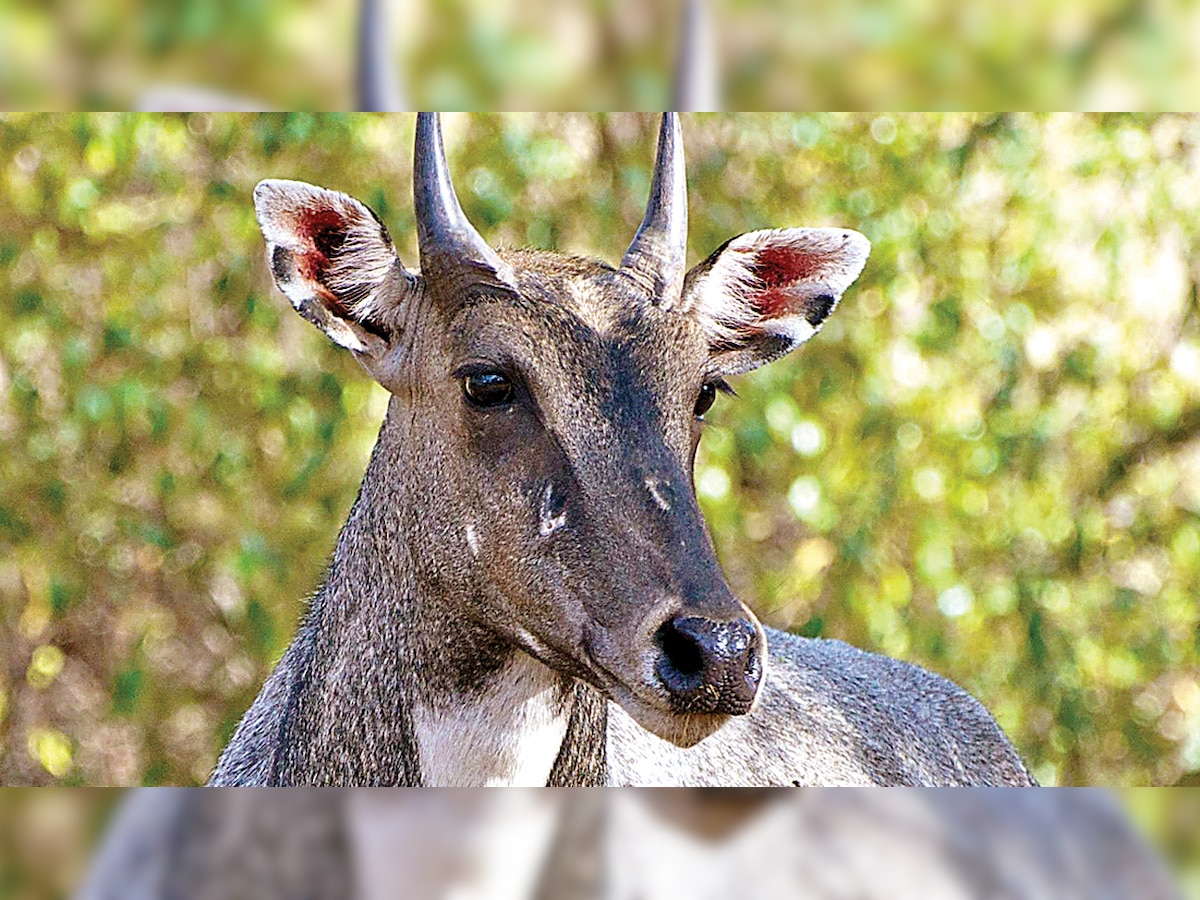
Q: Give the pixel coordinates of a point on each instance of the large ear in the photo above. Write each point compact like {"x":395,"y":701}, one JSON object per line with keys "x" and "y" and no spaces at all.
{"x":764,"y":293}
{"x":334,"y":260}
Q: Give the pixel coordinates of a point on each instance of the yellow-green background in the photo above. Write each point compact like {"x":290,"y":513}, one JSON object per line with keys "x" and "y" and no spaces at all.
{"x":605,"y":54}
{"x":984,"y":464}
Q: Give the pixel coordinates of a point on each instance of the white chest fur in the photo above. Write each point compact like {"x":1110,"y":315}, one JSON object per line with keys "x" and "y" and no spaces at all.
{"x":509,"y":734}
{"x":449,"y":845}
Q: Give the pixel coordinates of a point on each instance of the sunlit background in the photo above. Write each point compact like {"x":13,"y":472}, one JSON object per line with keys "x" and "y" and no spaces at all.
{"x":987,"y":463}
{"x":605,"y":54}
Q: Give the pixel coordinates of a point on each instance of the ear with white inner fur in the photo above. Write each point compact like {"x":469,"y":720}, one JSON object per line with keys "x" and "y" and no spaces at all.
{"x":334,"y":260}
{"x":764,"y":293}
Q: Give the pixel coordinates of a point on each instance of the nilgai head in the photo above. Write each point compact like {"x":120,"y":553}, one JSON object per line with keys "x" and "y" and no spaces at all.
{"x":545,"y":414}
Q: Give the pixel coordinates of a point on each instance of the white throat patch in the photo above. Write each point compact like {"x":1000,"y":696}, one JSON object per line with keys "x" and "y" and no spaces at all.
{"x":508,"y":735}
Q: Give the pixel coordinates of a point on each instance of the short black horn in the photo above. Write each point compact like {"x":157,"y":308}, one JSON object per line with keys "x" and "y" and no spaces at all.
{"x":656,"y":259}
{"x":447,"y":242}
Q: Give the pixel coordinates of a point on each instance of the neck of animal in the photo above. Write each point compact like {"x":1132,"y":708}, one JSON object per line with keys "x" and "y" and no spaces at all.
{"x":394,"y":679}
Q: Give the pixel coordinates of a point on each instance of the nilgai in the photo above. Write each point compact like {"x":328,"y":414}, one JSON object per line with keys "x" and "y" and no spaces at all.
{"x":525,"y":591}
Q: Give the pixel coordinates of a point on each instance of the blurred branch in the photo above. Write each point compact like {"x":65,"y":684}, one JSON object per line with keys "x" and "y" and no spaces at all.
{"x":1183,"y":432}
{"x":980,"y":130}
{"x":1107,"y":31}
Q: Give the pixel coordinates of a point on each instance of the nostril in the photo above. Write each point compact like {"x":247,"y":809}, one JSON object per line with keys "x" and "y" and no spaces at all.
{"x":681,"y":651}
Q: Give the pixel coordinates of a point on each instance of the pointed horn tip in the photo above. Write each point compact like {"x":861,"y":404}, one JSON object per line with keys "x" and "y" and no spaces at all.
{"x":433,"y":188}
{"x":669,"y":159}
{"x":443,"y":230}
{"x":671,"y":134}
{"x":429,"y":128}
{"x":656,"y":258}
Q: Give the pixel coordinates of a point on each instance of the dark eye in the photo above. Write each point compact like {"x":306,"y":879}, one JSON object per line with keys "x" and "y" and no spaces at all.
{"x":708,"y":396}
{"x":488,"y":389}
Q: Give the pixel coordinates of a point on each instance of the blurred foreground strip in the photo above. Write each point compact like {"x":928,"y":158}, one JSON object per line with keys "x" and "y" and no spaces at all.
{"x":624,"y":844}
{"x":607,"y":54}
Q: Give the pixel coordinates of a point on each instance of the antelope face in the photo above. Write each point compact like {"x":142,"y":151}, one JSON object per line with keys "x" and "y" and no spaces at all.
{"x":549,"y":410}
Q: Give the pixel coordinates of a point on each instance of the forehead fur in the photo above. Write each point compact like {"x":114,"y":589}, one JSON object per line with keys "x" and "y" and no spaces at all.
{"x":569,"y":301}
{"x":586,"y":289}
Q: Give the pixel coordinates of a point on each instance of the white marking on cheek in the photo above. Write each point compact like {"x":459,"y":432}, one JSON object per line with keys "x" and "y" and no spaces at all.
{"x":550,"y":524}
{"x":652,"y":486}
{"x":472,"y":540}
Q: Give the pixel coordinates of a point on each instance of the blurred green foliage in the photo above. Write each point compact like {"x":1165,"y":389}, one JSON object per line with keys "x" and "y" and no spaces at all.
{"x":48,"y":838}
{"x":986,"y":463}
{"x":1170,"y":821}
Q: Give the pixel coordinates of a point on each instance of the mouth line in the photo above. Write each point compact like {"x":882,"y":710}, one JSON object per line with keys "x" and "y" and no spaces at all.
{"x":608,"y":675}
{"x":565,"y":663}
{"x":609,"y":680}
{"x":594,"y":673}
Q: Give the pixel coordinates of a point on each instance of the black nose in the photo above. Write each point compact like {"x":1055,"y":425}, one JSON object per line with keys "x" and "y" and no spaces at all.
{"x":710,"y":666}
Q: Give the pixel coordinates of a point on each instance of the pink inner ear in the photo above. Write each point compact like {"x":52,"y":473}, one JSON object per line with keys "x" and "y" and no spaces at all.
{"x":322,"y":230}
{"x":778,"y":269}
